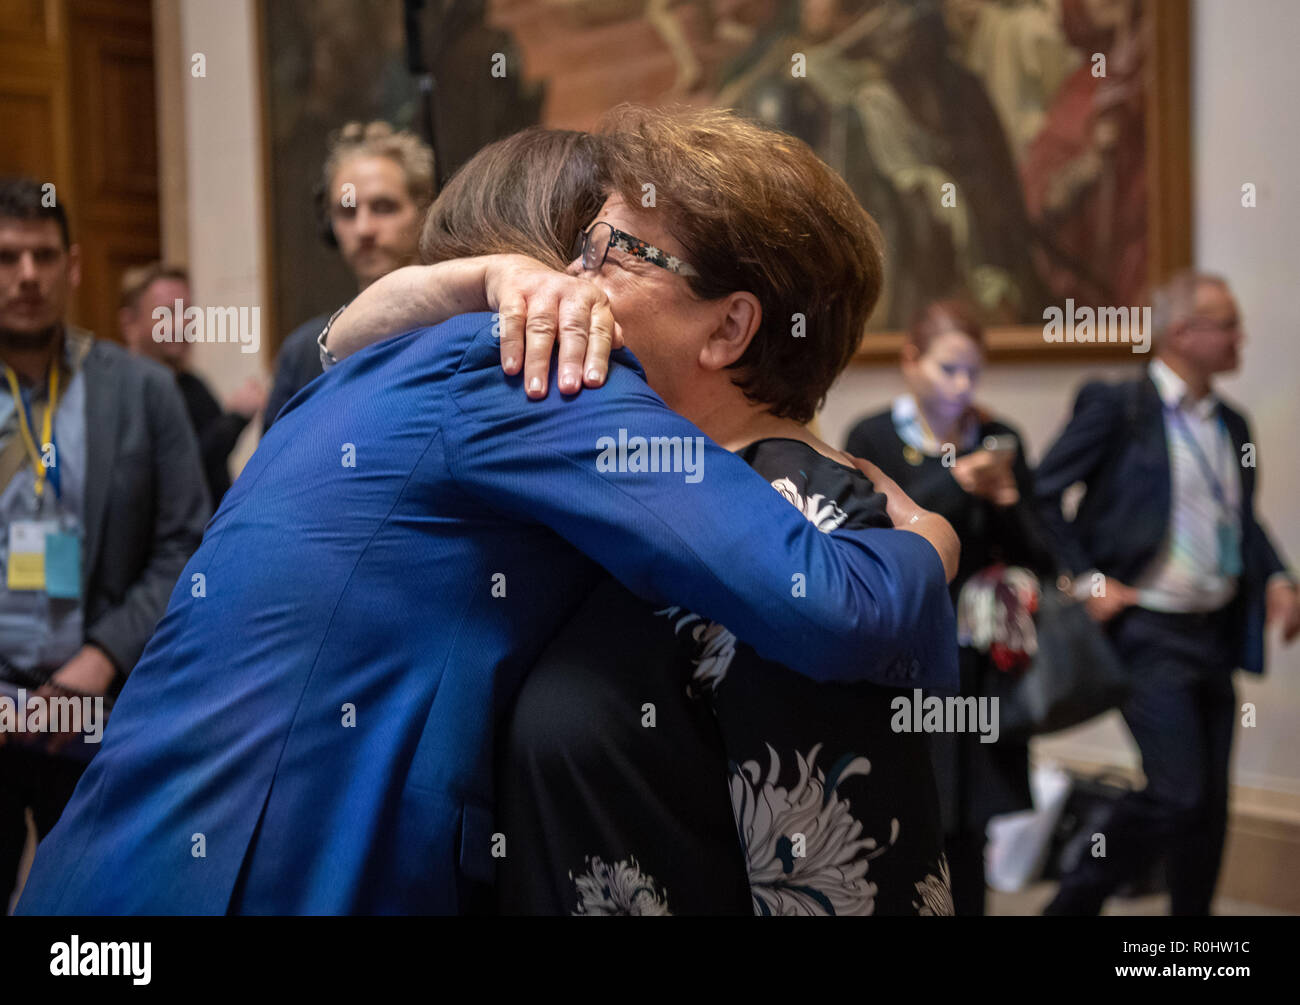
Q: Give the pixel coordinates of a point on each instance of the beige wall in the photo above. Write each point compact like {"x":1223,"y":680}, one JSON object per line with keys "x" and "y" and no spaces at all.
{"x":1246,"y":89}
{"x":1244,"y":70}
{"x":223,"y":187}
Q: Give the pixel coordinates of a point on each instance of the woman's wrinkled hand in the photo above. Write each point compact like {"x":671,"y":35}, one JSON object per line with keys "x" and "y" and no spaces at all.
{"x":907,"y":515}
{"x":536,"y":305}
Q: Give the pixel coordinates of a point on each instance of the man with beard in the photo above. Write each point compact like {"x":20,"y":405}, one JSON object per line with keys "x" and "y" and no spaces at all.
{"x":375,"y":187}
{"x":101,"y":502}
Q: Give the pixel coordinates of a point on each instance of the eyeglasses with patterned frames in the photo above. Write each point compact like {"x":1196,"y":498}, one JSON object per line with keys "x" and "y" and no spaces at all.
{"x":594,"y":245}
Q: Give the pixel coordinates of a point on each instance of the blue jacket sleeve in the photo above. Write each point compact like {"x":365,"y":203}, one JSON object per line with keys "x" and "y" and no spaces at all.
{"x":708,"y":533}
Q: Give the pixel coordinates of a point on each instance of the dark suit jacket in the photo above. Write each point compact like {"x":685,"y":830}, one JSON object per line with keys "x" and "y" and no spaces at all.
{"x":216,"y":429}
{"x":988,"y":533}
{"x":146,"y":503}
{"x":297,"y":366}
{"x":1115,"y":444}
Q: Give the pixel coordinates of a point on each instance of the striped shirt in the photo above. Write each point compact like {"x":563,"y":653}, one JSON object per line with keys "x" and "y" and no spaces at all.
{"x":1187,"y":574}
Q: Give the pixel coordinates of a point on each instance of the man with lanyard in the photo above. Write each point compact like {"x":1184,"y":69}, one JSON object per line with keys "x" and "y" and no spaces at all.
{"x":1191,"y":580}
{"x":43,"y":546}
{"x":101,"y":502}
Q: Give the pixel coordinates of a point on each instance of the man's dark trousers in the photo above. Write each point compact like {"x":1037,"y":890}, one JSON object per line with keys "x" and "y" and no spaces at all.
{"x":29,"y":777}
{"x":1181,"y":713}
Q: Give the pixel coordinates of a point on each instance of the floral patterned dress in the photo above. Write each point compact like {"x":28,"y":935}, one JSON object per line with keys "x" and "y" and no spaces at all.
{"x":655,"y":764}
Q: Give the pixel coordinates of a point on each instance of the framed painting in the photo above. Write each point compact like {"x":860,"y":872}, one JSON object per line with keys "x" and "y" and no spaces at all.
{"x":1068,"y":138}
{"x":1019,"y":154}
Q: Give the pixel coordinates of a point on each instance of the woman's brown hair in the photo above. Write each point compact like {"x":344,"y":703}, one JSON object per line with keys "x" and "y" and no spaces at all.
{"x":528,"y":194}
{"x":940,"y":317}
{"x":756,"y":210}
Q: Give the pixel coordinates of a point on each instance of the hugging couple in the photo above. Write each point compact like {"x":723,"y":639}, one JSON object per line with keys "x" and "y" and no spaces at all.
{"x":443,"y":661}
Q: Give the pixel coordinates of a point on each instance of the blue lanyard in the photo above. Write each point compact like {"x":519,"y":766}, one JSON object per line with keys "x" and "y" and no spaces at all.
{"x":1216,"y":485}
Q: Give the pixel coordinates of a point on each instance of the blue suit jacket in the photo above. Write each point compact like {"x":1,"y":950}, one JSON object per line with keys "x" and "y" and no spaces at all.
{"x":1115,"y":444}
{"x":310,"y":730}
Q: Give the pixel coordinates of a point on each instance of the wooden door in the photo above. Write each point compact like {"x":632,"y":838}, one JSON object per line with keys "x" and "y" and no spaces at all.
{"x":77,"y":109}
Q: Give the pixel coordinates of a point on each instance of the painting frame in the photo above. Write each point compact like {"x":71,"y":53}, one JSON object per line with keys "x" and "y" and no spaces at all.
{"x":1169,"y":237}
{"x":1169,"y":200}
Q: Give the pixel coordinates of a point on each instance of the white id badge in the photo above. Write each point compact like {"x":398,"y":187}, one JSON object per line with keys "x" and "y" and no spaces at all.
{"x":26,"y":566}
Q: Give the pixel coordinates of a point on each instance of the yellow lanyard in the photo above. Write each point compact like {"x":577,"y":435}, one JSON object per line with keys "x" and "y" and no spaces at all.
{"x":47,"y":424}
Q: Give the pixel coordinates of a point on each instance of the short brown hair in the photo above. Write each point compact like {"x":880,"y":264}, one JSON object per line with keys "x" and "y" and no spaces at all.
{"x":379,"y":139}
{"x":756,"y":210}
{"x":528,"y":194}
{"x":139,"y":278}
{"x":940,"y":316}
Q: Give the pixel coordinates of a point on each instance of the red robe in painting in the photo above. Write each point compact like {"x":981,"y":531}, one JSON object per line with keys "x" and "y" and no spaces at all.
{"x":1084,"y":175}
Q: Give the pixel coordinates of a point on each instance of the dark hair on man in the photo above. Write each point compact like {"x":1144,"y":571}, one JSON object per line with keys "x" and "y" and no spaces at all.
{"x":24,"y":199}
{"x":139,"y":278}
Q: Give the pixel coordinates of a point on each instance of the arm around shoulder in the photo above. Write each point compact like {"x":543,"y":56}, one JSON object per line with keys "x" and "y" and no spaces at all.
{"x":851,"y":605}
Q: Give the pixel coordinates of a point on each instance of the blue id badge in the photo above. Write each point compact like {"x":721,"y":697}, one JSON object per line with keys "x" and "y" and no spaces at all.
{"x":63,"y":565}
{"x":1229,"y":549}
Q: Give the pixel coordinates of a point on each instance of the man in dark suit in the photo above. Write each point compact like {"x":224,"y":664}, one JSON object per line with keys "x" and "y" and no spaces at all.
{"x":1166,"y":547}
{"x":101,"y":503}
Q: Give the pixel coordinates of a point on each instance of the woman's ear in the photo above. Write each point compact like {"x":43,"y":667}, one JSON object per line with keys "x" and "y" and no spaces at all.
{"x":740,"y":314}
